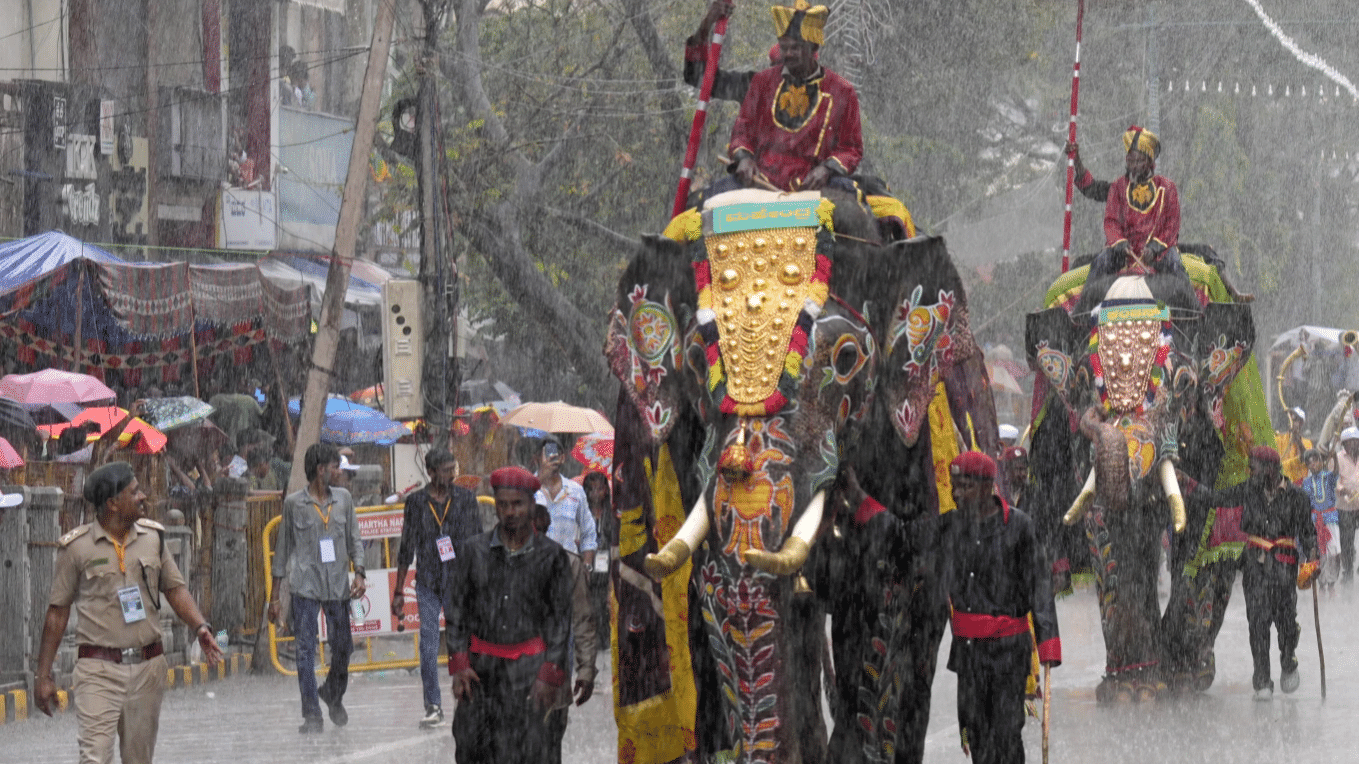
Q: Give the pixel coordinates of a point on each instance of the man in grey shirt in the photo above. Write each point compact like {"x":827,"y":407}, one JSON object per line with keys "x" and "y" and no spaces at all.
{"x":318,"y":539}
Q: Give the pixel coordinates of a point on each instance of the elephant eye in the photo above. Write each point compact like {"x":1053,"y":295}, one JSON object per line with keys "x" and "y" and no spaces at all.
{"x":848,"y":356}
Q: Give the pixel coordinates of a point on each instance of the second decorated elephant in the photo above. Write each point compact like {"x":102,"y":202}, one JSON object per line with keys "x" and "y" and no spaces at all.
{"x":1139,"y":384}
{"x":766,"y":345}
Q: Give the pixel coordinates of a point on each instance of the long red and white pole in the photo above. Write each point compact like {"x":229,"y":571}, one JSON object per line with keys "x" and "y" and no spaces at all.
{"x":696,"y":129}
{"x":1072,"y":138}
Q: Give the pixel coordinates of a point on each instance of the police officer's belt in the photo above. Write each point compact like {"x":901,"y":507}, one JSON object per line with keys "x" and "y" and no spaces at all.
{"x":129,"y":655}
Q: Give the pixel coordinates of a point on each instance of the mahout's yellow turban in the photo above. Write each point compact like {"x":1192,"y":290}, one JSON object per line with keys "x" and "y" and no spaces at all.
{"x":1145,"y":141}
{"x":801,"y":22}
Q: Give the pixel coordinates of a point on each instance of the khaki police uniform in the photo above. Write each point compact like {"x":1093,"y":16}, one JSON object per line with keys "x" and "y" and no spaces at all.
{"x":120,"y":674}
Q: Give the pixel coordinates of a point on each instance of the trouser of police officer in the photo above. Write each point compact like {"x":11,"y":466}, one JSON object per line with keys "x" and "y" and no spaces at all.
{"x":118,"y":699}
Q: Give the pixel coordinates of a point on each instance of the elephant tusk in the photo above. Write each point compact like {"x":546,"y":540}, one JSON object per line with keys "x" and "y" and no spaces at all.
{"x":670,"y":557}
{"x":1172,"y":487}
{"x":794,"y":552}
{"x":1083,"y":500}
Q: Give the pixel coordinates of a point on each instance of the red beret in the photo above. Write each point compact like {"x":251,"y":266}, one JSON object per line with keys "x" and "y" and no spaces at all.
{"x":514,"y":477}
{"x":973,"y":464}
{"x":1014,"y":452}
{"x":1265,"y":454}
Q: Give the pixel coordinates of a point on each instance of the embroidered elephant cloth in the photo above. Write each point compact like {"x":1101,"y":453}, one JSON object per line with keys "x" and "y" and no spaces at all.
{"x":790,"y":127}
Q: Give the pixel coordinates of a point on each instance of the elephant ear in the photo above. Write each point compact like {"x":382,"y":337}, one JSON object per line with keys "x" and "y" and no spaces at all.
{"x":644,"y":344}
{"x":1050,"y":342}
{"x":1226,"y":338}
{"x":927,"y":330}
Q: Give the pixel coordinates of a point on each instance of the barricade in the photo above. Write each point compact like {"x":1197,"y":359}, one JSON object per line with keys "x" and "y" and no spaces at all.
{"x":376,"y":620}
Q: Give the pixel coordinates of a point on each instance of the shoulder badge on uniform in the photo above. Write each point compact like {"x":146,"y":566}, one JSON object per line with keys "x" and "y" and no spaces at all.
{"x":147,"y":522}
{"x":73,"y":534}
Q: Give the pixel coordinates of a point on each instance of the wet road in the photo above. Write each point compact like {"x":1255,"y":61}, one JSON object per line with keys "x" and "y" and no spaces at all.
{"x":254,"y":719}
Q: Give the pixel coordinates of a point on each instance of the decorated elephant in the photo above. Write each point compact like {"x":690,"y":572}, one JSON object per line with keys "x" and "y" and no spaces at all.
{"x":767,"y":345}
{"x":1142,"y":380}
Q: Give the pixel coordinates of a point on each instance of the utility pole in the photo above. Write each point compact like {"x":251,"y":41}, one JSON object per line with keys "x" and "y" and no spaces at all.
{"x":436,"y":269}
{"x":342,"y":256}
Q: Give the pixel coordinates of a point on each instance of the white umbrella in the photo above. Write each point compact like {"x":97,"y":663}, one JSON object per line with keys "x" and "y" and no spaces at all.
{"x":558,"y":417}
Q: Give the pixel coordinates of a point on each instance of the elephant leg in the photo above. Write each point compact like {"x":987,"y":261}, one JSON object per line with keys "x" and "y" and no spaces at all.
{"x":1126,"y":557}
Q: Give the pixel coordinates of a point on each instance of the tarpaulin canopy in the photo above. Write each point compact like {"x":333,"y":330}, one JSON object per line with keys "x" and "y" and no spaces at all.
{"x":24,"y":260}
{"x":291,"y":269}
{"x":132,"y":318}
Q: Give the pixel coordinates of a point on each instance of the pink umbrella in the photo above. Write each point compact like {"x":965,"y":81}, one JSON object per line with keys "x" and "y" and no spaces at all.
{"x":54,"y":386}
{"x":9,"y":458}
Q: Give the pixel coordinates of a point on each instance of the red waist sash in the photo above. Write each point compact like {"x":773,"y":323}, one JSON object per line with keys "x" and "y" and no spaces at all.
{"x":978,"y":626}
{"x":1276,"y":545}
{"x":513,"y":652}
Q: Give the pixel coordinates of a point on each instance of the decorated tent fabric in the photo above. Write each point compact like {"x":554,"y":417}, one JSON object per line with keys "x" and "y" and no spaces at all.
{"x":135,"y":318}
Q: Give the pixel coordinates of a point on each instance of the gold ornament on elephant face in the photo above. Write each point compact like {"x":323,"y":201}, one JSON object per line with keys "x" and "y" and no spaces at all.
{"x":761,"y":280}
{"x":1127,"y":350}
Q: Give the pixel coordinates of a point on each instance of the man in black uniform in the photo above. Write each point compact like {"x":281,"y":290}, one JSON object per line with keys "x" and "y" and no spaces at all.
{"x":507,"y":612}
{"x":998,"y":590}
{"x":1278,"y":521}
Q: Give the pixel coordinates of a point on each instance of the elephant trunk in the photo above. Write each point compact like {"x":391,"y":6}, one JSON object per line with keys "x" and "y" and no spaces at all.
{"x":1172,"y":488}
{"x":669,"y":558}
{"x":1111,"y":467}
{"x":794,"y":552}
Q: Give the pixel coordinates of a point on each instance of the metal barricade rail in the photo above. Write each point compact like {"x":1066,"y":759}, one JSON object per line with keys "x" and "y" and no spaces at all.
{"x":382,"y":522}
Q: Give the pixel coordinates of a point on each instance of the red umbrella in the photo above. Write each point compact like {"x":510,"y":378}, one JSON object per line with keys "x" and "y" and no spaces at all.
{"x":54,"y":386}
{"x":9,"y":458}
{"x":150,"y":441}
{"x":595,"y":451}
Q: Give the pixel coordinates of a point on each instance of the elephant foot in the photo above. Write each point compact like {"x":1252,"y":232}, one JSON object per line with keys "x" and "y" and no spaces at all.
{"x":1107,"y":691}
{"x":1204,"y":677}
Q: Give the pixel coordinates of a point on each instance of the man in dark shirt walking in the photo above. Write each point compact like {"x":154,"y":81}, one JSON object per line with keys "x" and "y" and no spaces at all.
{"x":996,"y":582}
{"x":1278,"y":521}
{"x":507,"y":612}
{"x":437,"y":517}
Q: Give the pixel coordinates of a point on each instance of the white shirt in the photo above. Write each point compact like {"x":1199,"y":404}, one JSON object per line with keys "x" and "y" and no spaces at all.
{"x":572,"y":524}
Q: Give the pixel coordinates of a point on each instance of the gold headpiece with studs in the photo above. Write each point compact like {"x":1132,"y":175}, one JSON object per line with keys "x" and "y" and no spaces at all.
{"x":1145,"y":141}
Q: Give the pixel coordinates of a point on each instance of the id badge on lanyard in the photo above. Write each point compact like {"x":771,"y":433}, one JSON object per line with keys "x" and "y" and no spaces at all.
{"x":134,"y":610}
{"x":445,"y":546}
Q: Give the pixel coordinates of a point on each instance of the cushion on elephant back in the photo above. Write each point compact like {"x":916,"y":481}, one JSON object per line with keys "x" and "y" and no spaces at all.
{"x":761,"y":265}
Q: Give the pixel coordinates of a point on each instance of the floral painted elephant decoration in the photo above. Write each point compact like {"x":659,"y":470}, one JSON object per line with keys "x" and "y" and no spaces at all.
{"x":1139,"y":383}
{"x":761,"y":344}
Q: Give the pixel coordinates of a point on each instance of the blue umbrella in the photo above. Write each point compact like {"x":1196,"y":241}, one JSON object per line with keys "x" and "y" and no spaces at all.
{"x":334,"y":404}
{"x":345,"y":428}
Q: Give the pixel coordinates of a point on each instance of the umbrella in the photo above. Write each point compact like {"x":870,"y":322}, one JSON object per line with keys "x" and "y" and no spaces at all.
{"x":54,"y":386}
{"x":9,"y":458}
{"x":13,"y":416}
{"x":558,"y":417}
{"x":369,"y":396}
{"x":1002,"y":381}
{"x":595,"y":451}
{"x":53,"y":413}
{"x":334,"y":405}
{"x":345,"y":428}
{"x":150,"y":442}
{"x":168,"y":413}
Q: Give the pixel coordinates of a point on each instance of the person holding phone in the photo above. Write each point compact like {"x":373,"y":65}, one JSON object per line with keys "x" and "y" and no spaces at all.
{"x":572,"y":524}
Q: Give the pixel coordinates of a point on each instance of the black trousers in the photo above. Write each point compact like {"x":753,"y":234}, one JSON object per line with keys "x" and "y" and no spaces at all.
{"x":991,"y":699}
{"x":1348,"y":522}
{"x":498,"y":725}
{"x":1272,"y":600}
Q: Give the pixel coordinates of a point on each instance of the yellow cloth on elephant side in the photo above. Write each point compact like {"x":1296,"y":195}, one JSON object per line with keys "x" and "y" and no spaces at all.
{"x":887,"y":206}
{"x":686,"y":227}
{"x":944,"y":445}
{"x":661,"y":728}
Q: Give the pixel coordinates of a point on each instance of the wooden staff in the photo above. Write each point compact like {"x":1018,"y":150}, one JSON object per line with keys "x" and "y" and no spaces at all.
{"x":1317,"y":629}
{"x":1072,"y":138}
{"x":696,"y":128}
{"x":1048,"y":694}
